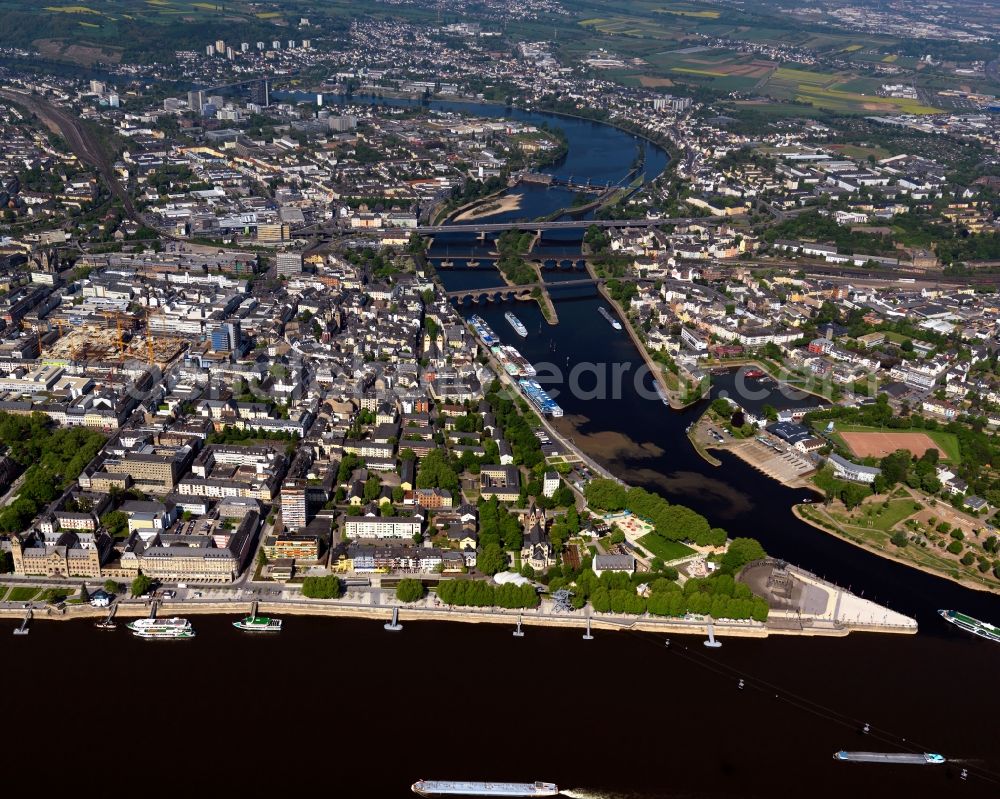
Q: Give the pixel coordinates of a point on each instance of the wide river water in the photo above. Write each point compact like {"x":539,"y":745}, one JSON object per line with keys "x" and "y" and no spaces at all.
{"x":342,"y":706}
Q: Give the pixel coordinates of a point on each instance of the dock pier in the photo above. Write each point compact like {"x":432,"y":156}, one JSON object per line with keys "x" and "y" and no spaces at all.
{"x":394,"y":625}
{"x":23,"y":629}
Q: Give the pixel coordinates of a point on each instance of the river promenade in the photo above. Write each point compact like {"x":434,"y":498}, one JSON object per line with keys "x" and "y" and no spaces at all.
{"x":812,"y":607}
{"x":544,"y":616}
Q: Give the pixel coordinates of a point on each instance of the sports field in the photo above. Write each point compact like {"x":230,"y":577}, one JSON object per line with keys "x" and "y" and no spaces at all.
{"x":878,"y":444}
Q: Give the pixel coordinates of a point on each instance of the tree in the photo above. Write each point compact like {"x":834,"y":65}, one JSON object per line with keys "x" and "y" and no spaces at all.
{"x":84,"y":593}
{"x":111,"y":587}
{"x":409,"y":590}
{"x":853,"y":494}
{"x":491,"y":559}
{"x":435,"y":471}
{"x":605,"y":494}
{"x":141,"y":585}
{"x":327,"y":587}
{"x":740,"y":552}
{"x":899,"y":539}
{"x":721,"y":407}
{"x":373,"y":487}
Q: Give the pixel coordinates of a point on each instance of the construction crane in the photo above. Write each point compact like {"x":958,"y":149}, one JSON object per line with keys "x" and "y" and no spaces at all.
{"x":150,"y":354}
{"x":117,"y":316}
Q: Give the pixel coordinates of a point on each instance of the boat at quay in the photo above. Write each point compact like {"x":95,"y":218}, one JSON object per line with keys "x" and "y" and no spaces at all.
{"x":461,"y":788}
{"x":258,"y":624}
{"x":539,"y":397}
{"x":981,"y":628}
{"x":484,"y":331}
{"x":161,"y":628}
{"x":513,"y":362}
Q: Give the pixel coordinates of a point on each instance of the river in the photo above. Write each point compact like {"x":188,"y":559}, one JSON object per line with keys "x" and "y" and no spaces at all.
{"x":343,"y":706}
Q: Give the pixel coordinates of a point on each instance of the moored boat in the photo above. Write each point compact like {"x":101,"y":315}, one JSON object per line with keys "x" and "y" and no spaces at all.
{"x":261,"y":624}
{"x":484,"y":331}
{"x":161,"y":628}
{"x":539,"y":397}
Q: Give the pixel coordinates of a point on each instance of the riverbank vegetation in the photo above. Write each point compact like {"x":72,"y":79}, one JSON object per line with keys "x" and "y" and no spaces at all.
{"x":479,"y":594}
{"x":906,"y":530}
{"x":410,"y":590}
{"x":511,"y":246}
{"x":324,"y":587}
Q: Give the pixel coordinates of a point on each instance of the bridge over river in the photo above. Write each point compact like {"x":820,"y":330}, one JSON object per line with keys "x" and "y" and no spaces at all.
{"x":568,"y":224}
{"x":524,"y":290}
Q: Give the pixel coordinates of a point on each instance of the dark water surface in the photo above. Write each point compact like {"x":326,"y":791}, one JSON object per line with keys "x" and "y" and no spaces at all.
{"x":343,"y":706}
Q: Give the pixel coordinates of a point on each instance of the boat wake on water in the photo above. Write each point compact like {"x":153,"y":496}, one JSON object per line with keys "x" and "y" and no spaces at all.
{"x":582,"y":793}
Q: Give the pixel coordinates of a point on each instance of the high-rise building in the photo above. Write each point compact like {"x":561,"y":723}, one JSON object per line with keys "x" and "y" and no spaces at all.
{"x":261,"y":45}
{"x":306,"y":44}
{"x":209,"y":50}
{"x":228,"y":337}
{"x":293,"y":504}
{"x":220,"y":46}
{"x":260,"y":93}
{"x":229,"y":53}
{"x":291,"y":44}
{"x":342,"y":123}
{"x":289,"y":263}
{"x":275,"y":45}
{"x":196,"y":100}
{"x":244,"y":47}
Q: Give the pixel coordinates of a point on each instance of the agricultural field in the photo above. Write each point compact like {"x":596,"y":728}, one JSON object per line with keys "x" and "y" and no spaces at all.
{"x":722,"y":70}
{"x":861,"y":152}
{"x":836,"y":92}
{"x":107,"y":31}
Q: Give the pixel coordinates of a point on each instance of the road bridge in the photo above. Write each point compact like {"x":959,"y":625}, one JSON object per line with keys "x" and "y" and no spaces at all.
{"x":568,"y":224}
{"x":523,"y":291}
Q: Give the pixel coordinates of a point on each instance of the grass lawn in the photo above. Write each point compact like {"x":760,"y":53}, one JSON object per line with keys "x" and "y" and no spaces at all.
{"x":874,"y":516}
{"x":55,"y":594}
{"x":22,"y":593}
{"x":664,"y":549}
{"x":899,"y":338}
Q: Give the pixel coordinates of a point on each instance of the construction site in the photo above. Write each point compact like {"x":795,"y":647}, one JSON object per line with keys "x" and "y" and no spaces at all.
{"x":114,"y":337}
